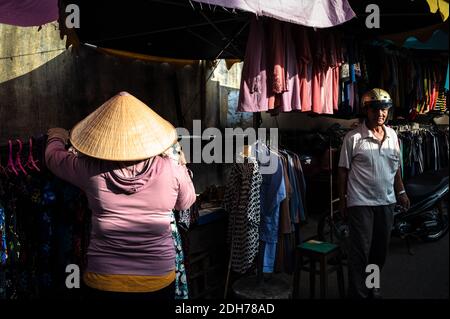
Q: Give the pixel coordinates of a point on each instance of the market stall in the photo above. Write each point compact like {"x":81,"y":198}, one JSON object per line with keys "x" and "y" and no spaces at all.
{"x":300,"y":74}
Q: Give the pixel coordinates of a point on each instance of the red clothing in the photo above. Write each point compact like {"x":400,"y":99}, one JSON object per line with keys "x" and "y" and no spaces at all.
{"x":304,"y":59}
{"x":253,"y":93}
{"x":290,"y":100}
{"x":318,"y":76}
{"x":276,"y":63}
{"x":336,"y":63}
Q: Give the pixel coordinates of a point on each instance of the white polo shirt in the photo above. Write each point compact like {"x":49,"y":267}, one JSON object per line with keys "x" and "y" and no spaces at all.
{"x":372,"y":166}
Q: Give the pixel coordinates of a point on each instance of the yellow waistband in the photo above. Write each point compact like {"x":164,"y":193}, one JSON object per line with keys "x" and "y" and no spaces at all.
{"x":128,"y":283}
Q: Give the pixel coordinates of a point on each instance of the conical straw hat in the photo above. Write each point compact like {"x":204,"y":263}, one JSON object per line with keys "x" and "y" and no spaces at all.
{"x":123,"y":129}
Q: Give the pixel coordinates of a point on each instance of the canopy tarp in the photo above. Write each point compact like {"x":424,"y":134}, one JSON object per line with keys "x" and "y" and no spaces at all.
{"x":438,"y":41}
{"x":27,"y":13}
{"x":433,"y":37}
{"x":188,"y":29}
{"x":312,"y":13}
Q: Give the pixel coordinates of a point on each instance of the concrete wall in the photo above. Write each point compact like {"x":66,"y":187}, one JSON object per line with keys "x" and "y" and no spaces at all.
{"x":31,"y":72}
{"x":38,"y":91}
{"x":43,"y":85}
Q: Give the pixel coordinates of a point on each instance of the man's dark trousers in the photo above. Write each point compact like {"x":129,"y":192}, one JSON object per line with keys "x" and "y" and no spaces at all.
{"x":370,"y":232}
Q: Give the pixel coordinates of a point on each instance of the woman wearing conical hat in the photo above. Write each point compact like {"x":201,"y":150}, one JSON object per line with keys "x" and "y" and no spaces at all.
{"x":131,"y":190}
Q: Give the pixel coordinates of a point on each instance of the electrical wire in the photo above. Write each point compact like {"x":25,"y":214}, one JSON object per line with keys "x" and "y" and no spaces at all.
{"x":29,"y":54}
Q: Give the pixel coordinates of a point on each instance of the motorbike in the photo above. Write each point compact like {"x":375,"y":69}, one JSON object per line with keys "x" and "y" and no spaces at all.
{"x":426,"y":219}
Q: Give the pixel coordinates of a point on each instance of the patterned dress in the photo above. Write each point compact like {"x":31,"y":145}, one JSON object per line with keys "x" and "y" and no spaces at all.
{"x":242,"y":202}
{"x":181,"y":285}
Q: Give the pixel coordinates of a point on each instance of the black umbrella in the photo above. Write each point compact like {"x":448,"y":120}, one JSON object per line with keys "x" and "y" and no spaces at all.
{"x":176,"y":29}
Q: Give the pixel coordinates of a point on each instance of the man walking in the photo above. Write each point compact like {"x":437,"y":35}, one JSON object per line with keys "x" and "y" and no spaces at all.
{"x":369,"y":176}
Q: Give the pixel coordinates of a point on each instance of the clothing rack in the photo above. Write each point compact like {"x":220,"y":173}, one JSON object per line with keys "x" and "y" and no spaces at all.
{"x":423,"y":147}
{"x":36,"y":212}
{"x":412,"y":127}
{"x":19,"y":156}
{"x":298,"y":209}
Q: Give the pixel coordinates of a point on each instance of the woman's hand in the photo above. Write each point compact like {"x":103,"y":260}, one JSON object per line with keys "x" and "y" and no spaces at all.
{"x":176,"y":153}
{"x":182,"y":159}
{"x":59,"y":133}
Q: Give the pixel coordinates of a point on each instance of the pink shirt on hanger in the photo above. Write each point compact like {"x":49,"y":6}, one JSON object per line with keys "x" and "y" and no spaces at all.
{"x":253,"y":96}
{"x":276,"y":63}
{"x":327,"y":84}
{"x":304,"y":60}
{"x":318,"y":75}
{"x":339,"y":60}
{"x":290,"y":100}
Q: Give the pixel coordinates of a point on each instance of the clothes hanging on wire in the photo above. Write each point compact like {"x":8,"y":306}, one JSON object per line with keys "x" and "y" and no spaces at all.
{"x":290,"y":68}
{"x":441,"y":100}
{"x":352,"y":75}
{"x":304,"y":56}
{"x":416,"y":83}
{"x":45,"y":226}
{"x":294,"y":68}
{"x":253,"y":95}
{"x":45,"y":229}
{"x":422,"y":150}
{"x":285,"y":95}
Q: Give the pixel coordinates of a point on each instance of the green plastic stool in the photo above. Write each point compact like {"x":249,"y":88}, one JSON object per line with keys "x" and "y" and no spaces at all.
{"x":318,"y":252}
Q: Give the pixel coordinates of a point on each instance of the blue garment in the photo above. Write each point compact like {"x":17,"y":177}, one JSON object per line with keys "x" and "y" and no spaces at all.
{"x":3,"y":247}
{"x":347,"y":105}
{"x":300,"y":185}
{"x":446,"y":81}
{"x":273,"y":192}
{"x":270,"y":253}
{"x":294,"y":200}
{"x":352,"y":73}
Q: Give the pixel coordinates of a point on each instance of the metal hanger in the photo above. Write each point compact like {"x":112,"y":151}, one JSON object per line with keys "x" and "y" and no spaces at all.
{"x":11,"y":167}
{"x":31,"y":163}
{"x":18,"y":162}
{"x":2,"y":169}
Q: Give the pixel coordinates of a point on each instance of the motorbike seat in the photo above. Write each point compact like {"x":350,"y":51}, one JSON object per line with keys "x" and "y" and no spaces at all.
{"x":426,"y":184}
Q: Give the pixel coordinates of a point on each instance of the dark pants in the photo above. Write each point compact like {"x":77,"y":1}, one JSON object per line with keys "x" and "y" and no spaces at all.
{"x":167,"y":293}
{"x":370,"y":232}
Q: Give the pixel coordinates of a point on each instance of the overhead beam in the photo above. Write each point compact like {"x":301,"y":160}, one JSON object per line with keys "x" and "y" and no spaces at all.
{"x":219,"y":31}
{"x":211,"y":43}
{"x":232,"y":39}
{"x":171,"y":29}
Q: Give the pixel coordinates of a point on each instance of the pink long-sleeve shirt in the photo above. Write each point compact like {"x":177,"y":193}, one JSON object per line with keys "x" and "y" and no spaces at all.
{"x":131,"y":205}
